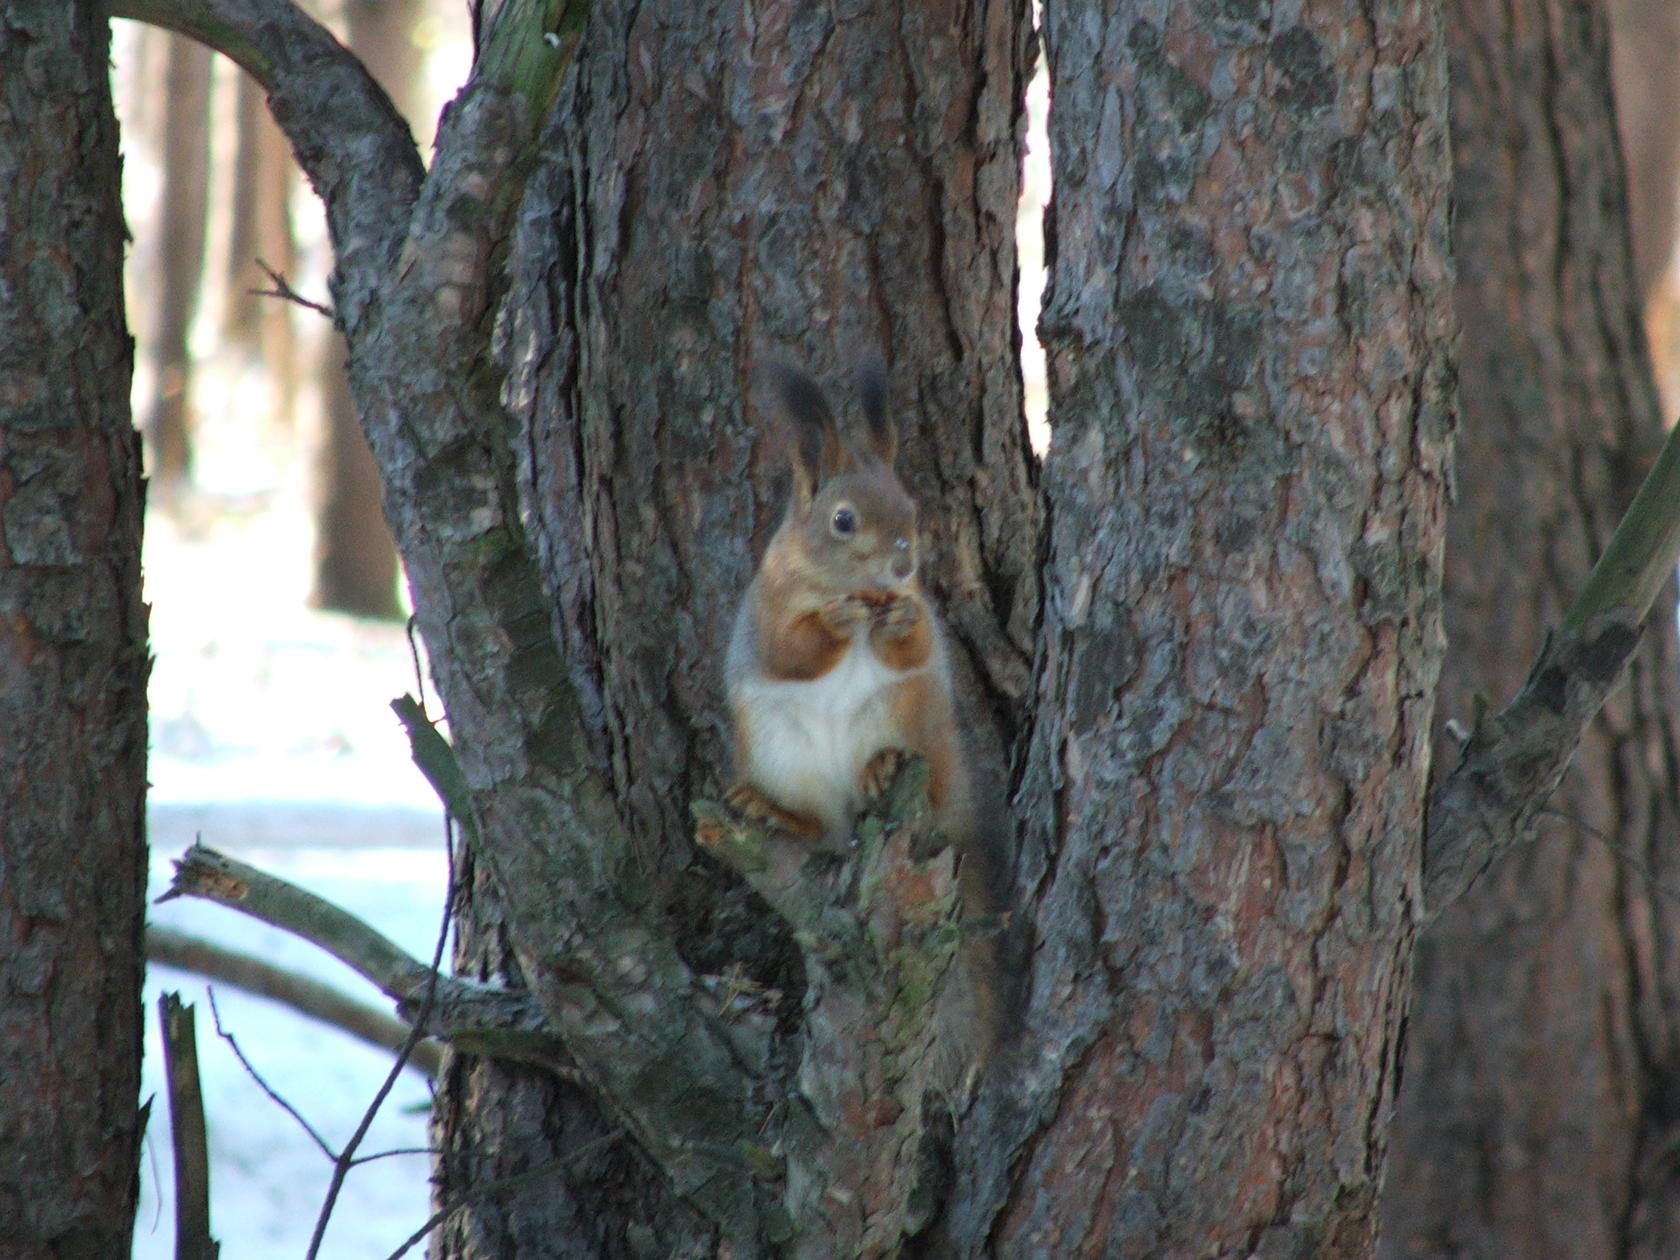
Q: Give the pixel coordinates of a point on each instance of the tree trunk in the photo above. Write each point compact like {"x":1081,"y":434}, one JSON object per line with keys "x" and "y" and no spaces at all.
{"x":1645,"y":69}
{"x":181,"y":221}
{"x":355,"y":558}
{"x":837,"y":185}
{"x":72,"y":651}
{"x":1644,"y":56}
{"x":1535,"y":1118}
{"x":261,"y":232}
{"x":1248,"y":331}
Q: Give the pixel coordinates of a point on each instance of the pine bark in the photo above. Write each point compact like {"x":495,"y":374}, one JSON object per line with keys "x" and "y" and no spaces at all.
{"x":1533,"y":1120}
{"x":1248,"y":330}
{"x":72,"y":651}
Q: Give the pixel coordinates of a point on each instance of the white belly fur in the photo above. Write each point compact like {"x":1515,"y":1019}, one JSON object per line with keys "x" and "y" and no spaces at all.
{"x":809,"y":741}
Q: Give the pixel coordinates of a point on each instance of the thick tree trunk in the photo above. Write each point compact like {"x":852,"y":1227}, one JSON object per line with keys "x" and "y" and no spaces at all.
{"x":1535,"y":1119}
{"x":355,"y":557}
{"x":1248,"y":328}
{"x":72,"y":651}
{"x":726,"y":184}
{"x":181,"y":222}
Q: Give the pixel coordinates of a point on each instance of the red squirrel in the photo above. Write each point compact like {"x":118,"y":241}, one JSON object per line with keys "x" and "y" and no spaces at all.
{"x":837,"y":666}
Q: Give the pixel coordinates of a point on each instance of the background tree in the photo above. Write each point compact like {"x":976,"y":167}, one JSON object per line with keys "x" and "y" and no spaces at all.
{"x":355,"y":557}
{"x":260,"y":232}
{"x":186,"y":199}
{"x":1564,"y":964}
{"x":1644,"y":50}
{"x":72,"y":650}
{"x":1247,"y":330}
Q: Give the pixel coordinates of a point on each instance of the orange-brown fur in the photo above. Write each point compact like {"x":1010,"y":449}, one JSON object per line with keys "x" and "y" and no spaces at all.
{"x":836,"y":668}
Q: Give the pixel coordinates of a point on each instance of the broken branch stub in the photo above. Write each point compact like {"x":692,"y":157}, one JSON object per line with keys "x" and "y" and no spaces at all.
{"x":882,"y":1062}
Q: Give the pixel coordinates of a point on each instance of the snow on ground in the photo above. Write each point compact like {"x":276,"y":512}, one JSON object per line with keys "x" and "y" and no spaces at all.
{"x":272,"y":740}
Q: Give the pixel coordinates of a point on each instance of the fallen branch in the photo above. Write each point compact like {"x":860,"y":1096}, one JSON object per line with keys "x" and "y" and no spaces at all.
{"x":304,"y":994}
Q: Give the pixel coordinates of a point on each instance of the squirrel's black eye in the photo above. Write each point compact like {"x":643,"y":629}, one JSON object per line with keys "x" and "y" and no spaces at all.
{"x":845,"y":522}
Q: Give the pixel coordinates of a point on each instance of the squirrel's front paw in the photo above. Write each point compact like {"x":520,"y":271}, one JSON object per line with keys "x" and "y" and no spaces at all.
{"x":843,"y":616}
{"x":879,"y":774}
{"x":898,"y":617}
{"x":749,"y":802}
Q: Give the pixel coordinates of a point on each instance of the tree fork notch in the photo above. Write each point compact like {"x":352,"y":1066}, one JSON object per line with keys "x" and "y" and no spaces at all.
{"x":864,"y":1141}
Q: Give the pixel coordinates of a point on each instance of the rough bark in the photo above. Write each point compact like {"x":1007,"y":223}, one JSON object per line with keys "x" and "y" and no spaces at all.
{"x":1247,"y":328}
{"x":72,"y":651}
{"x":182,"y":216}
{"x":356,"y":567}
{"x":1561,"y":968}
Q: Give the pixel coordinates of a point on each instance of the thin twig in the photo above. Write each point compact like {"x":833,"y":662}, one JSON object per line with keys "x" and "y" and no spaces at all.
{"x":286,"y":293}
{"x":1638,"y":865}
{"x":393,"y":1153}
{"x":346,"y":1160}
{"x":251,"y":1071}
{"x":501,"y":1186}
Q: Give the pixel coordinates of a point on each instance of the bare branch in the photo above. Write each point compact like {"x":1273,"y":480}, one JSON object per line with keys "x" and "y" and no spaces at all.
{"x":348,"y":137}
{"x":1514,"y":761}
{"x":347,"y":1158}
{"x":501,"y":1186}
{"x":286,"y":293}
{"x":274,"y":1095}
{"x":416,"y":288}
{"x":302,"y":993}
{"x":477,"y":1019}
{"x":1511,"y":764}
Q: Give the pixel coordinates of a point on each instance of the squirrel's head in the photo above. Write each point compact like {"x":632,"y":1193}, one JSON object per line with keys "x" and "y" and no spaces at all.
{"x":850,"y":521}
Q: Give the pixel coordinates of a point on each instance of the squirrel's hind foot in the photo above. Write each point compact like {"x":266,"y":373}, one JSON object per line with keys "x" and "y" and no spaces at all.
{"x":749,"y":802}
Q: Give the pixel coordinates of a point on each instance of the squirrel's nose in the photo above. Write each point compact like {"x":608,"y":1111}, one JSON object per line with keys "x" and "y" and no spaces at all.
{"x":903,"y":561}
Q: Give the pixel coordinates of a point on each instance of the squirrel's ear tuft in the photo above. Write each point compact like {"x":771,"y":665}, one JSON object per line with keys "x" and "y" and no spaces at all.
{"x":814,"y":446}
{"x":878,"y":425}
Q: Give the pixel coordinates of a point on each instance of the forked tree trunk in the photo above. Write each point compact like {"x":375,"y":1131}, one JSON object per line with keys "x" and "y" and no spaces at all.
{"x":725,"y":184}
{"x":1536,"y":1118}
{"x":1248,"y":329}
{"x":72,"y":651}
{"x":185,"y":122}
